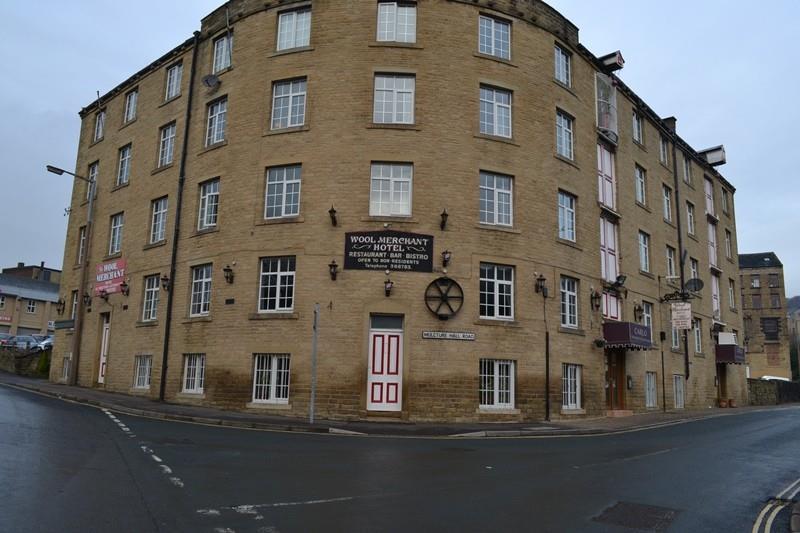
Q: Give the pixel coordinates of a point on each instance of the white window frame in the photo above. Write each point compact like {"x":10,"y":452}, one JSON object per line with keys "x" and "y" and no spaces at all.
{"x":611,"y":307}
{"x":208,"y":215}
{"x":94,"y":171}
{"x":690,"y":220}
{"x":158,"y":219}
{"x":498,"y":289}
{"x":491,"y":41}
{"x":663,"y":150}
{"x":731,"y":294}
{"x":694,"y":267}
{"x":647,"y":316}
{"x":728,"y":244}
{"x":716,"y":303}
{"x":131,"y":99}
{"x":678,"y":383}
{"x":271,"y":376}
{"x":496,"y":199}
{"x":124,"y":165}
{"x":282,"y":192}
{"x":606,"y":177}
{"x":725,"y":200}
{"x":755,"y":281}
{"x":31,"y":307}
{"x":569,"y":302}
{"x":166,"y":145}
{"x":496,"y":383}
{"x":671,"y":262}
{"x":150,"y":298}
{"x":697,"y":328}
{"x":217,"y":121}
{"x":676,"y":339}
{"x":712,"y":244}
{"x":278,"y":275}
{"x":563,"y":66}
{"x":644,"y":251}
{"x":200,"y":304}
{"x":667,"y":193}
{"x":294,"y":29}
{"x":393,"y":99}
{"x":115,"y":235}
{"x":708,"y":189}
{"x":637,"y":127}
{"x":143,"y":366}
{"x":288,"y":104}
{"x":395,"y":180}
{"x":567,"y":209}
{"x":495,"y":115}
{"x":194,"y":373}
{"x":173,"y":83}
{"x":564,"y":135}
{"x":640,"y":179}
{"x":609,"y":250}
{"x":397,"y":22}
{"x":687,"y":169}
{"x":650,"y":390}
{"x":571,"y":386}
{"x":99,"y":125}
{"x":223,"y":52}
{"x":81,"y":244}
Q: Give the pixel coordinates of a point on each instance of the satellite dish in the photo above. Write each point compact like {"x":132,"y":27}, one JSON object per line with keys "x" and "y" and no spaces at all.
{"x":695,"y":285}
{"x":211,"y":81}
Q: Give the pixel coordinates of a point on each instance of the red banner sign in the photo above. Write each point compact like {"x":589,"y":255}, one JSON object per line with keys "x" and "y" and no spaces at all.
{"x":109,"y":276}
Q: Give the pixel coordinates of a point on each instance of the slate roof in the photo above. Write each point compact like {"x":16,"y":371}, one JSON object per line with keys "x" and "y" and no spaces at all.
{"x":760,"y":260}
{"x":30,"y":289}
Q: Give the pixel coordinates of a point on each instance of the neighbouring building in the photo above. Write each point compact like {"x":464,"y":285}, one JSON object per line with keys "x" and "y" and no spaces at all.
{"x":29,"y":299}
{"x":463,"y":192}
{"x":764,"y":303}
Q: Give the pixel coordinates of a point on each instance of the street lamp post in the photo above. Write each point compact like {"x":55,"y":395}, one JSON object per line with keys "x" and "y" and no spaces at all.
{"x":78,"y":321}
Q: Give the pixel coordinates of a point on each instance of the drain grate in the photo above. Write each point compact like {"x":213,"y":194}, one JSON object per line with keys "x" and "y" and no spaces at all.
{"x":638,"y":516}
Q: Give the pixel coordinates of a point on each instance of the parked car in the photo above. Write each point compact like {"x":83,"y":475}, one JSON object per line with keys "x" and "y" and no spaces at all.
{"x":774,"y":378}
{"x":44,"y":342}
{"x":23,"y":342}
{"x":4,"y":338}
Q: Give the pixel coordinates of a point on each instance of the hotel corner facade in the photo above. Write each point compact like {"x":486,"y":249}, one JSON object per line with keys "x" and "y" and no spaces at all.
{"x":489,"y":223}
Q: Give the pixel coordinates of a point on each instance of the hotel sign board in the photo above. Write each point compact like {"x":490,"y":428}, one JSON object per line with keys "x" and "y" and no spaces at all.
{"x":681,"y":315}
{"x":109,"y":276}
{"x":388,"y":250}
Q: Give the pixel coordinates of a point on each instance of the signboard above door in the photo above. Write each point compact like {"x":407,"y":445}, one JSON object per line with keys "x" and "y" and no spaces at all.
{"x":388,"y":250}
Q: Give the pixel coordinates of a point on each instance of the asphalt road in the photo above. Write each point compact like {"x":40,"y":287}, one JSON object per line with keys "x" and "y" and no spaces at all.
{"x":68,"y":467}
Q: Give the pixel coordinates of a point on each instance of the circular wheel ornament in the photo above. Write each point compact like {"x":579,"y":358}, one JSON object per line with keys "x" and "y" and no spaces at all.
{"x":444,"y":297}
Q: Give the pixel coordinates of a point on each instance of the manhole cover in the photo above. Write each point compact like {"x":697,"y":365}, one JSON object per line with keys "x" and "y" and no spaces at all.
{"x":638,"y":516}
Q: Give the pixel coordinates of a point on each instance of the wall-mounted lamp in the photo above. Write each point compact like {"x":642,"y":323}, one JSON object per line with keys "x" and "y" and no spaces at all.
{"x":104,"y":295}
{"x":228,"y":272}
{"x":638,"y":311}
{"x":541,"y":284}
{"x":125,"y":288}
{"x":165,"y":282}
{"x":596,"y":299}
{"x":333,"y":268}
{"x":388,"y":285}
{"x":60,"y":305}
{"x":87,"y":300}
{"x":332,"y":213}
{"x":444,"y":216}
{"x":447,"y":255}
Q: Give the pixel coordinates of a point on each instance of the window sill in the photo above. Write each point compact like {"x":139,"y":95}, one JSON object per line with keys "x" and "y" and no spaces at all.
{"x":569,"y":243}
{"x":96,"y":141}
{"x":640,"y":145}
{"x":112,"y":256}
{"x":279,"y":315}
{"x":205,"y":231}
{"x":161,"y":169}
{"x":689,"y":184}
{"x":293,"y":129}
{"x":289,"y":51}
{"x":566,"y":160}
{"x":269,"y":406}
{"x":646,"y":274}
{"x":665,"y":165}
{"x":712,"y":217}
{"x":191,"y":319}
{"x":572,"y":331}
{"x":692,"y":236}
{"x":496,"y":138}
{"x":669,"y":223}
{"x":676,"y":351}
{"x":572,"y":411}
{"x":609,"y":211}
{"x":643,"y":206}
{"x":125,"y":125}
{"x":281,"y":220}
{"x":701,"y":355}
{"x":495,"y":58}
{"x":148,"y":324}
{"x":390,"y":219}
{"x":715,"y":269}
{"x":496,"y":411}
{"x":392,"y":126}
{"x":121,"y":186}
{"x":494,"y":227}
{"x":150,"y":246}
{"x":169,"y":100}
{"x":212,"y":147}
{"x":222,"y":71}
{"x":503,"y":322}
{"x":395,"y":44}
{"x":566,"y":88}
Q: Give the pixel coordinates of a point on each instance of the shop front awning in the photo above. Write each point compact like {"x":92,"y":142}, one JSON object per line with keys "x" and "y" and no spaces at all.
{"x":628,"y":335}
{"x":730,"y":354}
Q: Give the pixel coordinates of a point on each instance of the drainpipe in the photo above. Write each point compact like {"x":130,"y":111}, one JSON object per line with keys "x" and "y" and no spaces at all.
{"x":176,"y":230}
{"x":682,"y":260}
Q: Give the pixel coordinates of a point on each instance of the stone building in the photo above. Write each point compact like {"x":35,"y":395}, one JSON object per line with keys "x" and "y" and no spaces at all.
{"x":764,"y":303}
{"x":486,"y":215}
{"x":29,"y":299}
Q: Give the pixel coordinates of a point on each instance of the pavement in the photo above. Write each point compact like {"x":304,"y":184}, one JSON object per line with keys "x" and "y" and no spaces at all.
{"x":142,"y":406}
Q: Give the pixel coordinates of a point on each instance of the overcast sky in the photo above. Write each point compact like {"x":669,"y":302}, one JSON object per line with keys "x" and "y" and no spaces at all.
{"x":729,"y":75}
